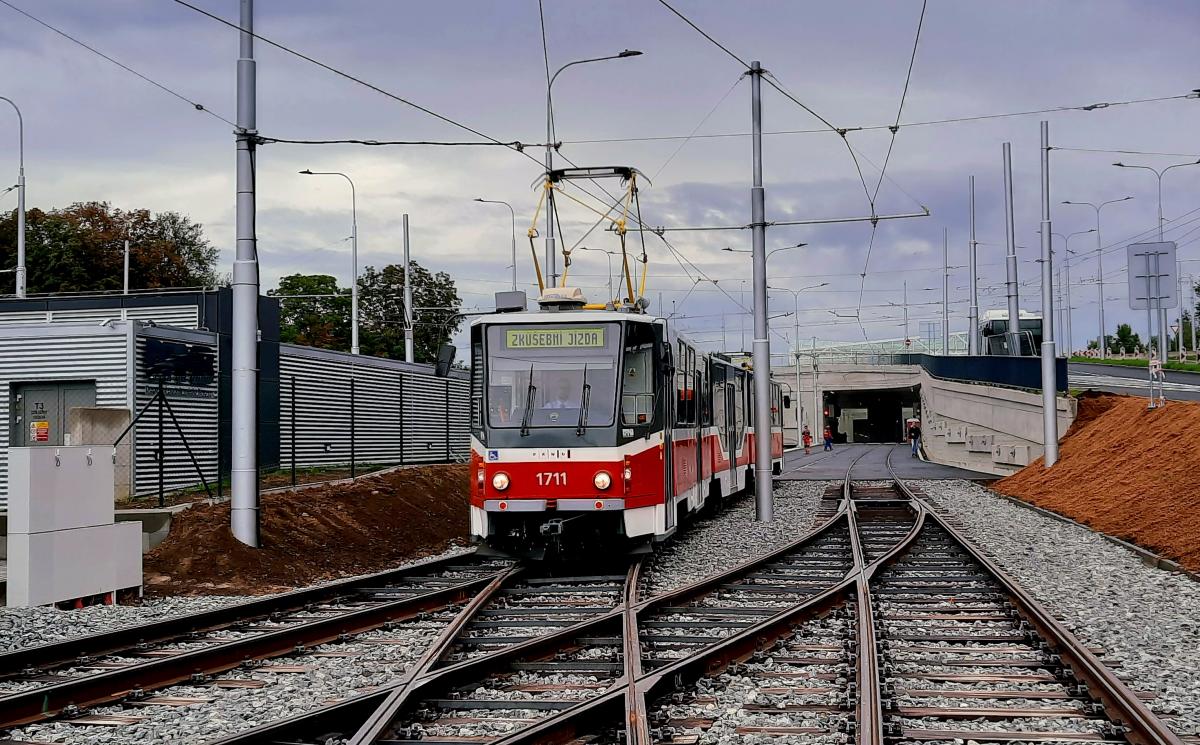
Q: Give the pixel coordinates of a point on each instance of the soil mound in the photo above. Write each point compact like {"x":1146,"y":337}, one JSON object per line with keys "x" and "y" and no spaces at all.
{"x":1127,"y":471}
{"x":315,"y":534}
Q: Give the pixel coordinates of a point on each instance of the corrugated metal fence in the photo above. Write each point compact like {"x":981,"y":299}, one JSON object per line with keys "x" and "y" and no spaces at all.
{"x":194,"y":404}
{"x":336,"y":408}
{"x":62,"y":353}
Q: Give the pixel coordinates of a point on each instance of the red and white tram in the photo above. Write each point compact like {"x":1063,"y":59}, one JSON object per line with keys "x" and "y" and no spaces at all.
{"x":602,"y":424}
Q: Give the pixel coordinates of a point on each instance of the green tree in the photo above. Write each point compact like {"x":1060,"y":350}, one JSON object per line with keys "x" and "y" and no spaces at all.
{"x":321,"y":321}
{"x":1125,"y":340}
{"x":381,"y":311}
{"x":81,"y":249}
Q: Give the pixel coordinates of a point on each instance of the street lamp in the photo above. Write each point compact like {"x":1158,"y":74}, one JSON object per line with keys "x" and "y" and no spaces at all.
{"x":1162,"y":322}
{"x":743,"y":291}
{"x":796,"y":341}
{"x":353,"y":254}
{"x":514,"y":233}
{"x":20,"y":198}
{"x":1100,"y":264}
{"x":608,"y":257}
{"x":1066,"y":265}
{"x":550,"y":251}
{"x":769,"y":253}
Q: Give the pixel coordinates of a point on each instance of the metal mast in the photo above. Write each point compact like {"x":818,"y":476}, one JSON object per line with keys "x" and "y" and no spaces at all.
{"x":763,"y":507}
{"x":408,"y":314}
{"x":1010,"y":242}
{"x":1049,"y":386}
{"x":945,"y":291}
{"x":20,"y":289}
{"x":244,"y":412}
{"x":973,"y":313}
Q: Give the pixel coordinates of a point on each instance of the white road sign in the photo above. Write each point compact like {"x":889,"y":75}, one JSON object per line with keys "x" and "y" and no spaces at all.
{"x":1152,"y":276}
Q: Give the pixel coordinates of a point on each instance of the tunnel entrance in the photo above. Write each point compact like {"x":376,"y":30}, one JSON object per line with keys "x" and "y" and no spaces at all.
{"x":876,"y":415}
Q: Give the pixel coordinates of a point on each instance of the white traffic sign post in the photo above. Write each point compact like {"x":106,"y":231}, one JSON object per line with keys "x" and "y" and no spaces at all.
{"x":1153,"y":287}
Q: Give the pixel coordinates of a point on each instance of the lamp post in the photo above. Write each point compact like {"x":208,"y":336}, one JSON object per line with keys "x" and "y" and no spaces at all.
{"x":20,"y":273}
{"x":514,"y":233}
{"x":1066,"y":265}
{"x":1162,"y":320}
{"x":353,"y":254}
{"x":1100,"y":265}
{"x":796,"y":341}
{"x":608,"y":257}
{"x":550,"y":250}
{"x":770,"y":253}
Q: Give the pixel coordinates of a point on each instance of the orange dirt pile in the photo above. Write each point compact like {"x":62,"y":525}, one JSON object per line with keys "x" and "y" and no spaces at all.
{"x":1126,"y":471}
{"x":316,"y":534}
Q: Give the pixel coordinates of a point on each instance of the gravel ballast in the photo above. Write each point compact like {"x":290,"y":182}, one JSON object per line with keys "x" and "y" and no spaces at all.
{"x":732,"y":536}
{"x":1147,"y":619}
{"x":26,"y":627}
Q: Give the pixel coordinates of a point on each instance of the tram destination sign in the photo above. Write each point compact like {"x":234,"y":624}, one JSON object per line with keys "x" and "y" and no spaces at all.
{"x":559,"y":338}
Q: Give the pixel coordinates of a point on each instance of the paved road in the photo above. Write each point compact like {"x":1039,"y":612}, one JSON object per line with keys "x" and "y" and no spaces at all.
{"x":1180,"y":385}
{"x":823,"y":466}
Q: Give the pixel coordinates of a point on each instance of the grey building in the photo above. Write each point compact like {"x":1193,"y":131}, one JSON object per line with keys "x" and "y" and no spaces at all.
{"x":69,"y":363}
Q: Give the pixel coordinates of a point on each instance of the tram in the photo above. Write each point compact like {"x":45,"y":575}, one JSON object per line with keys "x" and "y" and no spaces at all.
{"x":602,"y":427}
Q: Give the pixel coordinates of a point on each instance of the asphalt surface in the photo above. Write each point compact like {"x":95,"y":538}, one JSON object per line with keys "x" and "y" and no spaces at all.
{"x":1132,"y":381}
{"x":872,"y":460}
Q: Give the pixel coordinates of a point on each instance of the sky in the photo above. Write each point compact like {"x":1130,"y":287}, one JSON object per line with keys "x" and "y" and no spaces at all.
{"x":94,"y":131}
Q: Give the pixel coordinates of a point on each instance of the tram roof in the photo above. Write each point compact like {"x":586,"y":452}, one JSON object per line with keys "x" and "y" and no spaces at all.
{"x":562,"y":316}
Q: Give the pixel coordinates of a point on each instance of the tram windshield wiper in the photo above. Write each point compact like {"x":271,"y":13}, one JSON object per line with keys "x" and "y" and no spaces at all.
{"x":585,"y":398}
{"x":530,"y":392}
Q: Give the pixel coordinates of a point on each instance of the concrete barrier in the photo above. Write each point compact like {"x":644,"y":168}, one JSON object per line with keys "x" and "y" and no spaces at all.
{"x":983,"y":427}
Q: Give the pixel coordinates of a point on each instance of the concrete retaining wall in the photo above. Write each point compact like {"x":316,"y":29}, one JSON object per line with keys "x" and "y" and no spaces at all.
{"x":985,"y":428}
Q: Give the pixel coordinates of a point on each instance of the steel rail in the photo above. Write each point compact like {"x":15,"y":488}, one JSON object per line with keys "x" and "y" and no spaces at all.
{"x":738,"y":647}
{"x":383,"y":719}
{"x":45,"y":702}
{"x":348,"y":714}
{"x":637,"y":721}
{"x":47,"y":656}
{"x":378,"y":720}
{"x":1122,"y":705}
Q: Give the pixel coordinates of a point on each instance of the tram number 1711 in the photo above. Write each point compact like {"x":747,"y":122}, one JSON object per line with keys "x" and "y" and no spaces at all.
{"x":552,"y":478}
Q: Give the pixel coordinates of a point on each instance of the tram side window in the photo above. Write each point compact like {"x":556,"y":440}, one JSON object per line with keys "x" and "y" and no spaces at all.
{"x":718,"y":399}
{"x":685,"y":391}
{"x":476,"y":382}
{"x":637,"y":376}
{"x":739,"y":404}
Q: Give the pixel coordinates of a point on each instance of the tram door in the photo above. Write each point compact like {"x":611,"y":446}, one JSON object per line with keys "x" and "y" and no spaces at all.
{"x":731,"y":431}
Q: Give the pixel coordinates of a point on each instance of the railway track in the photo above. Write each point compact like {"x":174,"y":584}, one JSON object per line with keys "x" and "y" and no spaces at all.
{"x":884,"y":624}
{"x":128,"y":664}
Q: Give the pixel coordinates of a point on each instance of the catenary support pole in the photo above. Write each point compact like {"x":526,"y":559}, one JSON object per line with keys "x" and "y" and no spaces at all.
{"x":818,"y":409}
{"x":20,"y":272}
{"x":1010,"y":259}
{"x":244,"y":410}
{"x":973,"y":313}
{"x":408,"y":314}
{"x":1100,"y":292}
{"x":353,"y":268}
{"x":1192,"y":310}
{"x":125,"y":271}
{"x":763,"y":507}
{"x":1049,"y":384}
{"x":945,"y":291}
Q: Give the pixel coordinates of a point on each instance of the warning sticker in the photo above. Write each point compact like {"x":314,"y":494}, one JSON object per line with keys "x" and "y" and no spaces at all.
{"x":39,"y":431}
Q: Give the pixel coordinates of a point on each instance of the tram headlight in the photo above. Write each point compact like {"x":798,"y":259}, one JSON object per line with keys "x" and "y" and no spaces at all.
{"x":500,"y":481}
{"x":602,"y":480}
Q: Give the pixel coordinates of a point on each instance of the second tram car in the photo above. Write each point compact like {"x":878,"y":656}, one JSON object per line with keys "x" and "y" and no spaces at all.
{"x":602,"y":424}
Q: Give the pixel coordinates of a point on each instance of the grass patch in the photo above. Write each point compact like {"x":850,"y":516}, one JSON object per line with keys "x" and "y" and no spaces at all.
{"x":1172,"y":365}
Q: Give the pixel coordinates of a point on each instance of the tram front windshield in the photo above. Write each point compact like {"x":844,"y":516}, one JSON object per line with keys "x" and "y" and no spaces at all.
{"x":552,"y":375}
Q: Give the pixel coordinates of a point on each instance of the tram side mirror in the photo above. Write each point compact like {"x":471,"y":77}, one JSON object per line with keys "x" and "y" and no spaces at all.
{"x":787,"y":401}
{"x":445,"y":358}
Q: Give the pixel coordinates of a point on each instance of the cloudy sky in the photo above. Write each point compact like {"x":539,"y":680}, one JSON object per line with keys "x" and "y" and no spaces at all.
{"x":97,"y":132}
